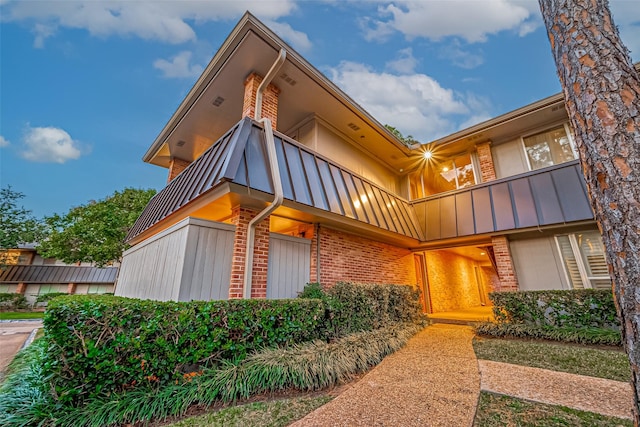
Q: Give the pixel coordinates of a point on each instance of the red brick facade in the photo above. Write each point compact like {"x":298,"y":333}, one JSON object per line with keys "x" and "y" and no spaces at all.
{"x":240,"y":217}
{"x":487,"y":168}
{"x":269,"y":99}
{"x":506,"y":271}
{"x":175,"y":167}
{"x":347,"y":257}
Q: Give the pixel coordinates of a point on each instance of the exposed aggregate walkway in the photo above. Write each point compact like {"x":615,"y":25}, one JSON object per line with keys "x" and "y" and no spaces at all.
{"x":435,"y":380}
{"x":432,"y":381}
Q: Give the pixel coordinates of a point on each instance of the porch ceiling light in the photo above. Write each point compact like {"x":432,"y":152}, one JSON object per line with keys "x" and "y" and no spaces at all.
{"x":427,"y":154}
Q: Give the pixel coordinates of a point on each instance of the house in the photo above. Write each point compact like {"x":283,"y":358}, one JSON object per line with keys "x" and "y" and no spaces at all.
{"x":276,"y":178}
{"x":25,"y":272}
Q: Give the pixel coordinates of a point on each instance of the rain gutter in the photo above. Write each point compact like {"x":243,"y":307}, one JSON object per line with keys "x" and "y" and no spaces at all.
{"x":278,"y":195}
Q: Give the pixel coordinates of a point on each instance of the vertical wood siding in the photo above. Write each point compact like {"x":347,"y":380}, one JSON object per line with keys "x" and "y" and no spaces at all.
{"x":289,"y":265}
{"x":189,"y":261}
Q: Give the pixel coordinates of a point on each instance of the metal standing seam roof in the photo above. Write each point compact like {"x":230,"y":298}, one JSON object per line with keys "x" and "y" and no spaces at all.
{"x":58,"y":274}
{"x":307,"y":178}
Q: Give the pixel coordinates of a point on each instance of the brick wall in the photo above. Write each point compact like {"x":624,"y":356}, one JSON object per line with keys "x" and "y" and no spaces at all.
{"x":240,"y":217}
{"x":487,"y":168}
{"x":347,"y":257}
{"x":175,"y":167}
{"x":504,"y":263}
{"x":269,"y":99}
{"x":452,"y":281}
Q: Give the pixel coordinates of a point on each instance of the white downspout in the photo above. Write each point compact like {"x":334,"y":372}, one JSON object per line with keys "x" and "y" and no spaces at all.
{"x":278,"y":196}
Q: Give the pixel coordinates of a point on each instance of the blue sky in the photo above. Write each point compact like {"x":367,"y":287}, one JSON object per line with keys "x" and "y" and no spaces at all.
{"x":86,"y":86}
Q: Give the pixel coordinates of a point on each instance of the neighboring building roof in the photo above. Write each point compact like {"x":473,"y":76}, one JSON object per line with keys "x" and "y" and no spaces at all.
{"x":58,"y":274}
{"x":307,"y":178}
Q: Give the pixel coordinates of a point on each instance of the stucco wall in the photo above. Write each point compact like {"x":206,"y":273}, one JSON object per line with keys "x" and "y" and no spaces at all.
{"x":452,"y":281}
{"x":347,"y":257}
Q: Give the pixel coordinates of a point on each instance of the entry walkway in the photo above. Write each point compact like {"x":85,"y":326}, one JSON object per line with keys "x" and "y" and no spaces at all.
{"x":12,"y":337}
{"x":432,"y":381}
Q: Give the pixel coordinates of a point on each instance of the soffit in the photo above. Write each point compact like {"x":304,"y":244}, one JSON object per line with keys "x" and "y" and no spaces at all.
{"x":198,"y":123}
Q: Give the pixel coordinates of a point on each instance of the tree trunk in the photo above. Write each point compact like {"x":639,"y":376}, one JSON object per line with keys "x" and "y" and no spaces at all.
{"x":602,"y":95}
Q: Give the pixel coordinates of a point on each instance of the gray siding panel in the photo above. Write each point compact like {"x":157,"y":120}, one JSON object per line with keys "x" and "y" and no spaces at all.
{"x":573,"y":201}
{"x":464,"y":214}
{"x":289,"y":266}
{"x":526,"y":215}
{"x":433,"y":219}
{"x":191,"y":260}
{"x":448,"y":226}
{"x":548,"y":206}
{"x":502,"y":209}
{"x":482,"y":210}
{"x":528,"y":255}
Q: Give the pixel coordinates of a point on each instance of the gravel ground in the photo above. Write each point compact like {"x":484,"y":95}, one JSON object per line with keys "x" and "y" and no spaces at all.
{"x":432,"y":381}
{"x":606,"y":397}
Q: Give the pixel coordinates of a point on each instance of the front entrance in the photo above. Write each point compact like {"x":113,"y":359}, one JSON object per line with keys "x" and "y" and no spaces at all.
{"x":457,"y":279}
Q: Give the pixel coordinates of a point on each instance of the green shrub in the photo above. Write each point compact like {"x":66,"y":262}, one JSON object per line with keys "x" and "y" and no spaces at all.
{"x":48,"y":297}
{"x":354,"y":307}
{"x":103,"y":344}
{"x":12,"y":301}
{"x":309,"y":366}
{"x":590,"y":336}
{"x":585,"y":308}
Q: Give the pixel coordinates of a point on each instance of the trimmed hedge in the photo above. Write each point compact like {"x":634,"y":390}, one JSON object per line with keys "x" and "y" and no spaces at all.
{"x":104,"y":344}
{"x":354,"y":307}
{"x":12,"y":301}
{"x":589,"y":336}
{"x":584,"y":308}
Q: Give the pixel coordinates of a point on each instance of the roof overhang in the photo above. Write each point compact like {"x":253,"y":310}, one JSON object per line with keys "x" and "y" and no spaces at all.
{"x":214,"y":104}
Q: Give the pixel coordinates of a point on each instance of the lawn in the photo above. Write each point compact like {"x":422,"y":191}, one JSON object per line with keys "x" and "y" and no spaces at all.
{"x":575,"y":359}
{"x":276,"y":413}
{"x":504,"y":411}
{"x":19,"y":315}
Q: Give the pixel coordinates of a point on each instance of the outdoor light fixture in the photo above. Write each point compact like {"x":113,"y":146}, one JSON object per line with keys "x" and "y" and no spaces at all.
{"x":445,"y":169}
{"x":427,"y":154}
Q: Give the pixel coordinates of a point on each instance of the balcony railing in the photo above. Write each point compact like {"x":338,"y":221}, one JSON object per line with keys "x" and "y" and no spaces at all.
{"x":554,"y":195}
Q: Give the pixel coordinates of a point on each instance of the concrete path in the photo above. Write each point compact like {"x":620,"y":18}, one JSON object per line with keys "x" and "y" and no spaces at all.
{"x":432,"y":381}
{"x":606,"y":397}
{"x":12,"y":336}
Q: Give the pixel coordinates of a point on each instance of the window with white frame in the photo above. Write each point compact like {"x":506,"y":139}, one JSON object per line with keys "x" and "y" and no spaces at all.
{"x":549,"y":148}
{"x":584,"y":260}
{"x":98,"y":289}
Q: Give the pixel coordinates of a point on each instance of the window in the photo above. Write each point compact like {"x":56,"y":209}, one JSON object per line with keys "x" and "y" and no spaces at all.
{"x":440,"y":176}
{"x":98,"y":289}
{"x":584,"y":261}
{"x":549,"y":148}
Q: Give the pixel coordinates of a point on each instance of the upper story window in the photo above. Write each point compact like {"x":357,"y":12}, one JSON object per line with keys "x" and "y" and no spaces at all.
{"x":549,"y":148}
{"x":438,"y":176}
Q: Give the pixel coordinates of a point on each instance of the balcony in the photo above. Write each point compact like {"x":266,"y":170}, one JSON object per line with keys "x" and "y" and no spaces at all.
{"x":550,"y":196}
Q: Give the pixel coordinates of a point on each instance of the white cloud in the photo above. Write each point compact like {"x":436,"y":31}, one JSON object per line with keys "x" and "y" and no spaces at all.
{"x":50,"y":145}
{"x":4,"y":142}
{"x":405,"y":64}
{"x":460,"y":57}
{"x":179,"y":66}
{"x":416,"y":104}
{"x":626,"y":15}
{"x":472,"y":20}
{"x":166,"y":21}
{"x":299,"y":41}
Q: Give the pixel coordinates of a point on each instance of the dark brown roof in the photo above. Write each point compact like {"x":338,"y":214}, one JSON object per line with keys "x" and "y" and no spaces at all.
{"x":307,"y":178}
{"x":58,"y":274}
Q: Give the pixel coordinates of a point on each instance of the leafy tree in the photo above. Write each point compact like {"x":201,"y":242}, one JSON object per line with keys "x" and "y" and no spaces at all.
{"x":602,"y":96}
{"x":407,"y":140}
{"x":17,"y":224}
{"x":94,"y":232}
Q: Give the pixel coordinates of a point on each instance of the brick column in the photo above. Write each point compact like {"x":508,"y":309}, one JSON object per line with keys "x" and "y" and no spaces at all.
{"x":22,"y":288}
{"x":175,"y":167}
{"x":240,"y":217}
{"x":269,"y":99}
{"x":313,"y":265}
{"x":71,"y":288}
{"x":487,"y":168}
{"x":504,"y":263}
